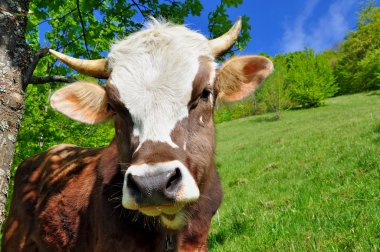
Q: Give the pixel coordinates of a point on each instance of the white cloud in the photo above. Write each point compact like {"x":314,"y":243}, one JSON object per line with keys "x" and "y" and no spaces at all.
{"x":328,"y":30}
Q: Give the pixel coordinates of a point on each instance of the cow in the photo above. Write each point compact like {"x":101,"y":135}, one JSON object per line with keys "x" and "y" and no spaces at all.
{"x":155,"y":186}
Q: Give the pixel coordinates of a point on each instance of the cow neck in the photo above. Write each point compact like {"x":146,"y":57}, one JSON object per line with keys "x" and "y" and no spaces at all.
{"x":109,"y":166}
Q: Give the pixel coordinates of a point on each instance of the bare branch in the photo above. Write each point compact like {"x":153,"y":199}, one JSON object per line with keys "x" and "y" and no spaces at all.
{"x":54,"y":78}
{"x":29,"y":72}
{"x":138,"y":7}
{"x":62,"y":47}
{"x":54,"y":19}
{"x":83,"y":29}
{"x":65,"y":15}
{"x":146,"y":8}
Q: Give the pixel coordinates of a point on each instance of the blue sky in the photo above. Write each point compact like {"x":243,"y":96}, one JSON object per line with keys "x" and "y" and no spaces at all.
{"x":280,"y":26}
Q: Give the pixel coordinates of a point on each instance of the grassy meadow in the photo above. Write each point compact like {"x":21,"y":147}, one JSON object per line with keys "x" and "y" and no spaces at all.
{"x":309,"y":181}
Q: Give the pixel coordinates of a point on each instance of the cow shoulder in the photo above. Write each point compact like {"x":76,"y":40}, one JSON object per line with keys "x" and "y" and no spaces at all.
{"x":56,"y":186}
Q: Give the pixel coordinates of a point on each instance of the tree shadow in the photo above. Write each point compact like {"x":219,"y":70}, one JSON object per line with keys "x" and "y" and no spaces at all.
{"x":376,"y":131}
{"x":236,"y":225}
{"x":373,"y":93}
{"x":273,"y":118}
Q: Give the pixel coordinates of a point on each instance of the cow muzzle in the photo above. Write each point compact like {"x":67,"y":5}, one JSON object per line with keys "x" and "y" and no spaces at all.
{"x":155,"y":189}
{"x":159,"y":189}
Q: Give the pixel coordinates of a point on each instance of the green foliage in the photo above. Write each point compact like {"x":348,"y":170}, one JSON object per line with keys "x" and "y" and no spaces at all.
{"x":219,"y":23}
{"x":331,"y":56}
{"x":310,"y":78}
{"x":358,"y":52}
{"x":307,"y":182}
{"x":274,"y":95}
{"x":299,"y":79}
{"x":232,"y":111}
{"x":368,"y":73}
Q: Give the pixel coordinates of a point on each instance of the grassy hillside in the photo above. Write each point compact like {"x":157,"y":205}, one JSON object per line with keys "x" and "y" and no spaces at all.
{"x":310,"y":181}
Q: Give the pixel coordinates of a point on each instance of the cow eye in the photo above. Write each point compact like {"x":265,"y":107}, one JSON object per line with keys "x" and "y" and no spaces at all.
{"x":205,"y":94}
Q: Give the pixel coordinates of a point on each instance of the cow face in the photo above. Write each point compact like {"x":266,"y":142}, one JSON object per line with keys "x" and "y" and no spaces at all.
{"x":161,"y":91}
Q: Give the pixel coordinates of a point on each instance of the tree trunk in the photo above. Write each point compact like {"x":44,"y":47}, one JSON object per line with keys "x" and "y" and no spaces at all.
{"x":15,"y":57}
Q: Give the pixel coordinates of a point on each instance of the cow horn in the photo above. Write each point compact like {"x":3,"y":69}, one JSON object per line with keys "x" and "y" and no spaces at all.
{"x":96,"y":68}
{"x":223,"y":43}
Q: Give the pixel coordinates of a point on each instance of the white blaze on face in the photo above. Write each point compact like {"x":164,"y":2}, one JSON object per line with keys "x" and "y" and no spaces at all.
{"x":153,"y":70}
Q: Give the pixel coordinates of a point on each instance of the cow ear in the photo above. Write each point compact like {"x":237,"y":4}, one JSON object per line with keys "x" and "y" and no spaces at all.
{"x":240,"y":76}
{"x":82,"y":101}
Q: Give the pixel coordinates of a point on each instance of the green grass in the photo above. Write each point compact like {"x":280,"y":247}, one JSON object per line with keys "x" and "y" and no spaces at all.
{"x":307,"y":182}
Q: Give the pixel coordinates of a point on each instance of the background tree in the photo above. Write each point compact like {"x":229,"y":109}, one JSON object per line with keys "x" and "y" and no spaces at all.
{"x":310,"y":78}
{"x":274,"y":94}
{"x":15,"y":59}
{"x":368,"y":73}
{"x":82,"y":28}
{"x":357,"y":50}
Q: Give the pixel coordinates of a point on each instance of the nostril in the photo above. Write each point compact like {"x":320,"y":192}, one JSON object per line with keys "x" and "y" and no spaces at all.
{"x":174,"y":180}
{"x":131,"y":184}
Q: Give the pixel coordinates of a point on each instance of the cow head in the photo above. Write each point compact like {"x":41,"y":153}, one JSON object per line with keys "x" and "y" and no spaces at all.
{"x":162,"y":86}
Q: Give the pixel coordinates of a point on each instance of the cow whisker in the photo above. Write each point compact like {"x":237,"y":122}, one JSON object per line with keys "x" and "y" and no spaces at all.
{"x":118,"y":185}
{"x":114,"y":199}
{"x":117,"y":206}
{"x":117,"y":192}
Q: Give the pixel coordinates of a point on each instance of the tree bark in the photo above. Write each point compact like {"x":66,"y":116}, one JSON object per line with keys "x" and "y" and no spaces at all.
{"x":15,"y":57}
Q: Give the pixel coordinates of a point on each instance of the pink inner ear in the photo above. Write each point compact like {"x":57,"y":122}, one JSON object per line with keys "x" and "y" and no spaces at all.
{"x":245,"y":90}
{"x":258,"y":70}
{"x":249,"y":70}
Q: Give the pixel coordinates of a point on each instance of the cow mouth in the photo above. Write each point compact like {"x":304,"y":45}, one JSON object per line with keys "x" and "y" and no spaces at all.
{"x":173,"y":217}
{"x":159,"y":210}
{"x":174,"y":222}
{"x":170,"y":217}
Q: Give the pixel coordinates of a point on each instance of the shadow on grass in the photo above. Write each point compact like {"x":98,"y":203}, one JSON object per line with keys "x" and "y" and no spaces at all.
{"x":217,"y":239}
{"x":376,"y":131}
{"x":373,"y":93}
{"x":267,"y":119}
{"x":236,"y":225}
